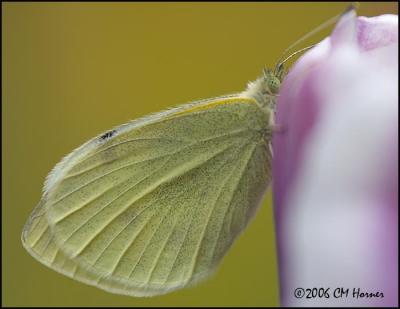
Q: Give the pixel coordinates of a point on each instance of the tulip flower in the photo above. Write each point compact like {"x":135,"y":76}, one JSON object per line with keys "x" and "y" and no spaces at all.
{"x":335,"y":169}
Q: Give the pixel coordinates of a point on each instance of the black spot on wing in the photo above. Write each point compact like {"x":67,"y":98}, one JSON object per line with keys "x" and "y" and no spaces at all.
{"x":107,"y":135}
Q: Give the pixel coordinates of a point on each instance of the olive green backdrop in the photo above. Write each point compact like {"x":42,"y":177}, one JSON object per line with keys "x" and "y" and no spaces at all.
{"x":71,"y":71}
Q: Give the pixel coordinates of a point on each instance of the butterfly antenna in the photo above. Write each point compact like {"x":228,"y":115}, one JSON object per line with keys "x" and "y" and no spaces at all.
{"x":327,"y":23}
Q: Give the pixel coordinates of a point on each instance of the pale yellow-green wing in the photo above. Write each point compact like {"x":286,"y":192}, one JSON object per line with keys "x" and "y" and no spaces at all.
{"x":154,"y":205}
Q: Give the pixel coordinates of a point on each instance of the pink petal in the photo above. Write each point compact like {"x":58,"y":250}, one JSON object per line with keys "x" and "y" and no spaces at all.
{"x":335,"y":168}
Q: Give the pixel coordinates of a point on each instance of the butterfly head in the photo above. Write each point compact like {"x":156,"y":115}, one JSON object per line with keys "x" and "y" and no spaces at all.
{"x":272,"y":82}
{"x":265,"y":88}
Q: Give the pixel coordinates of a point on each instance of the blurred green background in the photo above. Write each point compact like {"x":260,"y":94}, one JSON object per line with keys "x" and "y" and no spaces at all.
{"x":71,"y":71}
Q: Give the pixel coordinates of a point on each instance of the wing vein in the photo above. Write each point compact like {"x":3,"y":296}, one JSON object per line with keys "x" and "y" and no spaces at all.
{"x":108,"y":204}
{"x":131,"y":243}
{"x":125,"y":142}
{"x":230,"y":200}
{"x":196,"y":255}
{"x":131,"y":164}
{"x":181,"y":244}
{"x":101,"y":176}
{"x":149,"y":242}
{"x":180,"y":248}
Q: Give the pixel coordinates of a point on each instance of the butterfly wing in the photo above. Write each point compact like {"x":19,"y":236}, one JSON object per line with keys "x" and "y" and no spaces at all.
{"x":154,"y":205}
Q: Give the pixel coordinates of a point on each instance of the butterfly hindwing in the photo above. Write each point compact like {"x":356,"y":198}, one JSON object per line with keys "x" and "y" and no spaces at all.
{"x":154,"y":205}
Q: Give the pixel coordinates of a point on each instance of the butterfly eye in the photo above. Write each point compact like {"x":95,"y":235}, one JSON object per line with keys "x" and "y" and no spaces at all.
{"x":273,"y":84}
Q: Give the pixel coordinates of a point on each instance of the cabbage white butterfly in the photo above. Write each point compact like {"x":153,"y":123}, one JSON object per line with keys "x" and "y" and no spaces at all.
{"x":153,"y":205}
